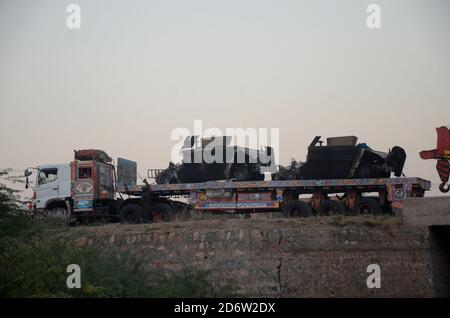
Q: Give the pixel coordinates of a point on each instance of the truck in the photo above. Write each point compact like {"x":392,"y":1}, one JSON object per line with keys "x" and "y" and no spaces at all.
{"x":92,"y":187}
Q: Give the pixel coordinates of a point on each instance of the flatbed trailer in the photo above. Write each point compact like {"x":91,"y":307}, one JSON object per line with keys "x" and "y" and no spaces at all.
{"x":91,"y":187}
{"x":300,"y":198}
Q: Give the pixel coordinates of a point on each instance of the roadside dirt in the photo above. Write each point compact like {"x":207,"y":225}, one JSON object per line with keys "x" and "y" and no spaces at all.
{"x":241,"y":223}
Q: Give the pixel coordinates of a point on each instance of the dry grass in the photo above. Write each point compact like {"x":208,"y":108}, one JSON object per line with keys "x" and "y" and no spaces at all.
{"x":214,"y":223}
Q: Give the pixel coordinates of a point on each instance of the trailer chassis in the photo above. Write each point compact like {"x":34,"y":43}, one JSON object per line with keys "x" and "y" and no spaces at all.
{"x":294,"y":198}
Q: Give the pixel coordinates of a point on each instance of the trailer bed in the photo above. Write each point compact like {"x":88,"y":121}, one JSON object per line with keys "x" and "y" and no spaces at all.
{"x":306,"y":186}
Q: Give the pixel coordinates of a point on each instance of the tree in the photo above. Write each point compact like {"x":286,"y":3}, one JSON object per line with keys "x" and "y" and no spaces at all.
{"x":9,"y":198}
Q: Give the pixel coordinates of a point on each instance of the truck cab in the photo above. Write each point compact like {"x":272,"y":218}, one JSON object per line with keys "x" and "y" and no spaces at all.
{"x":85,"y":187}
{"x":52,"y":188}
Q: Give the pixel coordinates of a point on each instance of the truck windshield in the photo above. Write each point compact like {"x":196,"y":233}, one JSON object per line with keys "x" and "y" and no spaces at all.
{"x":84,"y":172}
{"x":47,"y":175}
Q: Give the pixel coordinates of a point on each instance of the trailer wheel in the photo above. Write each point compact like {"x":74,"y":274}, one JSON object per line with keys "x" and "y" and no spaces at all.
{"x":162,"y":212}
{"x":296,"y":208}
{"x":368,"y":206}
{"x":329,"y":207}
{"x":131,"y":214}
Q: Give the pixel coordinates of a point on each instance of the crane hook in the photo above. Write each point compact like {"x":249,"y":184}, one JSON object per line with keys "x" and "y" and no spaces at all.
{"x":443,"y":189}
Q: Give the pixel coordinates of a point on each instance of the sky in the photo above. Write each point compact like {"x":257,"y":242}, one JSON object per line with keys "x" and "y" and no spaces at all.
{"x":137,"y":70}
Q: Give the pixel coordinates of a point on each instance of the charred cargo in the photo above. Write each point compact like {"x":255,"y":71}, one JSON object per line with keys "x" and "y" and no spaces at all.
{"x":209,"y":159}
{"x":343,"y":158}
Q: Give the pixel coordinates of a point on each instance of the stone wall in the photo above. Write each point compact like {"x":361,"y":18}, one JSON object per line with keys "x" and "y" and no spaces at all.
{"x":317,"y":257}
{"x":427,"y":211}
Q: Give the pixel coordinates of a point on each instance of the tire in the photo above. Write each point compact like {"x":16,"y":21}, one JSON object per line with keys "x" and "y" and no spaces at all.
{"x":296,"y":208}
{"x":161,"y":212}
{"x":57,"y":213}
{"x":368,"y":206}
{"x":330,"y":207}
{"x":131,"y":214}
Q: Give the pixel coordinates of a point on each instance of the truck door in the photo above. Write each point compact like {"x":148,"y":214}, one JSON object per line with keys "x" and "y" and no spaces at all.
{"x":105,"y":181}
{"x":126,"y":174}
{"x":46,"y":186}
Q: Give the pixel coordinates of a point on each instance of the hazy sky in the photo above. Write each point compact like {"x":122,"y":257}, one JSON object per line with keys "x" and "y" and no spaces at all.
{"x":138,"y":69}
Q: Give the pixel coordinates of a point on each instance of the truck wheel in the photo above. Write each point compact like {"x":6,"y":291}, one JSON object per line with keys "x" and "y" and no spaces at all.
{"x":162,"y":212}
{"x":330,"y":207}
{"x":59,"y":213}
{"x":296,"y":208}
{"x":368,"y":206}
{"x":131,"y":214}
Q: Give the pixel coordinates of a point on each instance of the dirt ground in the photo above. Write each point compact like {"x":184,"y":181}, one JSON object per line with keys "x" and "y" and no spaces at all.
{"x":259,"y":222}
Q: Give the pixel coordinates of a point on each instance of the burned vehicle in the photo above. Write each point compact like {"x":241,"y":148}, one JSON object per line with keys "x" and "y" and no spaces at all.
{"x":214,"y":158}
{"x":343,"y":158}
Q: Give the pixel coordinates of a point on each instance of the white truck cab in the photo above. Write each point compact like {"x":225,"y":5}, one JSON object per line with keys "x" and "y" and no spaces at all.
{"x":52,"y":185}
{"x":83,"y":188}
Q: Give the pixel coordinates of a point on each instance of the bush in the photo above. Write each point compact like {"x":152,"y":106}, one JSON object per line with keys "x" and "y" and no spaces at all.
{"x":36,"y":267}
{"x":34,"y":256}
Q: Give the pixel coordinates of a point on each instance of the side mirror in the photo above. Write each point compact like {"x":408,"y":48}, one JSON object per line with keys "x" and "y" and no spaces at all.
{"x":27,"y":173}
